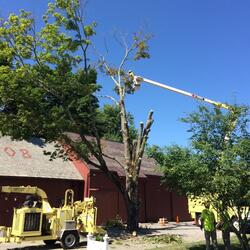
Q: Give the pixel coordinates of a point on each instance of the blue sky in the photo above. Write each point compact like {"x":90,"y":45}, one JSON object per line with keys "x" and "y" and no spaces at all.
{"x":199,"y":46}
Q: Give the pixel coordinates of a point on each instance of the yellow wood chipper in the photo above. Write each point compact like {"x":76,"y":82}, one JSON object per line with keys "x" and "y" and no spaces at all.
{"x":37,"y":220}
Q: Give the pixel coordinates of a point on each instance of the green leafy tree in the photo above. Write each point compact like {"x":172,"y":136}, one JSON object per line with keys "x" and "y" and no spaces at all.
{"x":48,"y":86}
{"x":179,"y":166}
{"x":216,"y":166}
{"x":40,"y":93}
{"x":109,"y":124}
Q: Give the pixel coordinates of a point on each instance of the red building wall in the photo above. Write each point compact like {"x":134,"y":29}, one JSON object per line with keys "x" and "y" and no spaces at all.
{"x":108,"y":200}
{"x":155,"y":200}
{"x":158,"y":202}
{"x":83,"y":169}
{"x":180,"y":207}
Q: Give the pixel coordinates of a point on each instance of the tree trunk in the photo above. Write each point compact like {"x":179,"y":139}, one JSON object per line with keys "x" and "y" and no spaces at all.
{"x":242,"y":239}
{"x":133,"y":153}
{"x":244,"y":242}
{"x":132,"y":216}
{"x":132,"y":204}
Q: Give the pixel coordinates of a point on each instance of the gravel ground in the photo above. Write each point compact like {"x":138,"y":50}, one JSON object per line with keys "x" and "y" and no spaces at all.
{"x":186,"y":230}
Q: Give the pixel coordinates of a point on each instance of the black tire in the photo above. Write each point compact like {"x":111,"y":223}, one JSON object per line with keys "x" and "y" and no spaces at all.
{"x":69,"y":240}
{"x":49,"y":242}
{"x":235,"y":223}
{"x":198,"y":219}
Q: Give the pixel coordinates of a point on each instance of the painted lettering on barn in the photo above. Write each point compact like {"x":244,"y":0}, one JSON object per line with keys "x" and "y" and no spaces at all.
{"x":13,"y":152}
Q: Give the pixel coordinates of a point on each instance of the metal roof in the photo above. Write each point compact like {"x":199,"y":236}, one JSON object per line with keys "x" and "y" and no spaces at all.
{"x":27,"y":159}
{"x":115,"y":150}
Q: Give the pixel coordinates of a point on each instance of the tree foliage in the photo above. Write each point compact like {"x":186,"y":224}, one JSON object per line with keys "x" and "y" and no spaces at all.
{"x":48,"y":86}
{"x":109,"y":124}
{"x":40,"y":75}
{"x":217,"y":163}
{"x":179,"y":166}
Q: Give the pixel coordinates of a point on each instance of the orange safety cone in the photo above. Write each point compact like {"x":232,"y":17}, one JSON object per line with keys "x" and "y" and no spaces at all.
{"x":177,"y":219}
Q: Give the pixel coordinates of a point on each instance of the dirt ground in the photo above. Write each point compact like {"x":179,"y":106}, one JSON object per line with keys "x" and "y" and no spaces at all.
{"x":121,"y":241}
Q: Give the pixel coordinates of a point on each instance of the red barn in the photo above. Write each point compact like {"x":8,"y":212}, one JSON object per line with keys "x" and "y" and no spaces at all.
{"x":24,"y":163}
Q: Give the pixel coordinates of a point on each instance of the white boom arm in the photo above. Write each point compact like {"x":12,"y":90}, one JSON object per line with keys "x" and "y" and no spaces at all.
{"x":138,"y":79}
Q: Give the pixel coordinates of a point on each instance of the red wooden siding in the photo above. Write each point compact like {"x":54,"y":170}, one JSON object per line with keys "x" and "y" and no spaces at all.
{"x":85,"y":173}
{"x":155,"y":200}
{"x":158,"y":202}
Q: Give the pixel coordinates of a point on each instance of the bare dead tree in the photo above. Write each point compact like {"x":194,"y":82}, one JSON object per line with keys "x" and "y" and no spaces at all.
{"x":133,"y":148}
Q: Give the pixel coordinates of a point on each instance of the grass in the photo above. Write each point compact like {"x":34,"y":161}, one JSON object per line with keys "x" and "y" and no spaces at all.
{"x":197,"y":246}
{"x":163,"y":239}
{"x":165,"y":242}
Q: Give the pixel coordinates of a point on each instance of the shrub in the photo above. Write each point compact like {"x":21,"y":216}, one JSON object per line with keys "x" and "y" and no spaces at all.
{"x":116,"y":222}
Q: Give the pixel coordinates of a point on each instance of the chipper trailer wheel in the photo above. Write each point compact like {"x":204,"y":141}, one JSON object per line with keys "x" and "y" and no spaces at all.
{"x":69,"y":239}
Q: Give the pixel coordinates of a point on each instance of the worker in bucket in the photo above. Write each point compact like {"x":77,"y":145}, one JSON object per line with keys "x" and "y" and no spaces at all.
{"x":208,"y":224}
